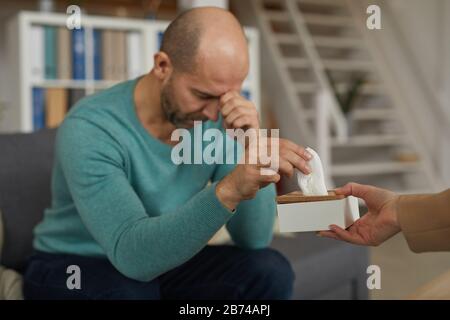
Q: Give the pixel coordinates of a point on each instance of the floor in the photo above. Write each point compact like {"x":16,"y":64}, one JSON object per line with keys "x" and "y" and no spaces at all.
{"x":403,"y":271}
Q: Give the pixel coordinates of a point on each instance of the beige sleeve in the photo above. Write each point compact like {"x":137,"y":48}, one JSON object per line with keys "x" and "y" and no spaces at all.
{"x":425,"y":221}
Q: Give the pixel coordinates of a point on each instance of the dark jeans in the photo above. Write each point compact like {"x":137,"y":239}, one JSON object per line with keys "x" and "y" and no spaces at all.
{"x":216,"y":272}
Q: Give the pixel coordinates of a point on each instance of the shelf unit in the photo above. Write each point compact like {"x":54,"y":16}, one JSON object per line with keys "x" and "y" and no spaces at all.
{"x":18,"y":114}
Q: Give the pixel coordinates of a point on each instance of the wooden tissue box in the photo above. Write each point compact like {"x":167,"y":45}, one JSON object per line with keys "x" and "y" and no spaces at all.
{"x":300,"y":213}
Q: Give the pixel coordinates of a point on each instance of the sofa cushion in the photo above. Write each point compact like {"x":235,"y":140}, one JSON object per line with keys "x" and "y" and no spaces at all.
{"x":10,"y":284}
{"x":25,"y":176}
{"x":10,"y":281}
{"x":1,"y":232}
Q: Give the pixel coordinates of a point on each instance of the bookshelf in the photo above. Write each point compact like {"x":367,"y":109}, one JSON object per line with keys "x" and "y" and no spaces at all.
{"x":30,"y":83}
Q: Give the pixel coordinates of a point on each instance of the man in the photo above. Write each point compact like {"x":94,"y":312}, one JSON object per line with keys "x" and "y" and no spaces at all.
{"x":137,"y":225}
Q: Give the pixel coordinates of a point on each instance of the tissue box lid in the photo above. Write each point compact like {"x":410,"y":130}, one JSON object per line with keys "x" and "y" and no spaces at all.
{"x":298,"y":196}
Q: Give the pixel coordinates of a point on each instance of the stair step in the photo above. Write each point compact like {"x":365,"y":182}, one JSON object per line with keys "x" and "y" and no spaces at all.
{"x":361,"y":114}
{"x":373,"y":114}
{"x":287,"y":38}
{"x":331,"y":3}
{"x":331,"y":64}
{"x":347,"y":65}
{"x":375,"y":168}
{"x":337,"y":41}
{"x":297,"y":62}
{"x":276,"y":15}
{"x":321,"y":41}
{"x":327,"y":20}
{"x":366,"y":89}
{"x":311,"y":87}
{"x":371,"y":140}
{"x":306,"y":87}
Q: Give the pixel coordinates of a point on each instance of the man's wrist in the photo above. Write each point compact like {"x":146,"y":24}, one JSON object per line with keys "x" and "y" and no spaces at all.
{"x":227,"y":195}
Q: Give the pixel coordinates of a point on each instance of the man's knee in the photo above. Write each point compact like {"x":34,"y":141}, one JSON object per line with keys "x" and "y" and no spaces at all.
{"x":46,"y":278}
{"x":273,"y":274}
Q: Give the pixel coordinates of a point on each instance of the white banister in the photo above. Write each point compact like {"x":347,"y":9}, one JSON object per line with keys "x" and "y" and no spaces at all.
{"x":336,"y":115}
{"x":323,"y":106}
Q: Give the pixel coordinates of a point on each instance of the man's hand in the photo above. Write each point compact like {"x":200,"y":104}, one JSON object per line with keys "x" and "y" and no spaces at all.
{"x":246,"y":179}
{"x":237,"y":112}
{"x":377,"y":225}
{"x":242,"y":183}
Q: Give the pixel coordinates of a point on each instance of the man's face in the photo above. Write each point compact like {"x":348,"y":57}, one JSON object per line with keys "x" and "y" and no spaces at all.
{"x":187,"y":97}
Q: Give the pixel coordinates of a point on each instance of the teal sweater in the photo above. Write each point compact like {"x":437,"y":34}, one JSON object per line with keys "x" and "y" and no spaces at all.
{"x":116,"y":193}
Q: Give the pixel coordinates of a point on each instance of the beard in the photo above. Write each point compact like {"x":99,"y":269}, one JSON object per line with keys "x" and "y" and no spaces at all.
{"x":172,"y":110}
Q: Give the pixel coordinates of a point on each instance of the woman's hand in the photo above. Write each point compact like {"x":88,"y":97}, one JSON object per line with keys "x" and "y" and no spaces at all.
{"x":377,"y":225}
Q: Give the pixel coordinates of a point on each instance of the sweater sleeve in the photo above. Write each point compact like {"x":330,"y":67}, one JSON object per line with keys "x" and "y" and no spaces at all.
{"x":139,"y":246}
{"x":425,"y":221}
{"x":252,"y":224}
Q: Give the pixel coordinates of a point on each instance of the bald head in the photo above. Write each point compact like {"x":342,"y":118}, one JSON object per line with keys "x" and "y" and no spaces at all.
{"x":202,"y":34}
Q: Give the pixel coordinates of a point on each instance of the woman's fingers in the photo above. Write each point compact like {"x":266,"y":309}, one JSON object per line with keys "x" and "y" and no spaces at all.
{"x":328,"y":234}
{"x":345,"y":235}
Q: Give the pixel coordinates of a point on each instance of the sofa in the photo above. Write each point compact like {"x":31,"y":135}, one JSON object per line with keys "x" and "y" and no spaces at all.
{"x":325,"y":269}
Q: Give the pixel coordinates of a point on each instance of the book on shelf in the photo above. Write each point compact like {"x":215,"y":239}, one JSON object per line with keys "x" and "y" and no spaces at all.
{"x":120,"y":63}
{"x":50,"y":52}
{"x":64,"y":54}
{"x":50,"y":105}
{"x":38,"y":108}
{"x":97,"y":38}
{"x":78,"y":54}
{"x":75,"y":95}
{"x":246,"y":94}
{"x":60,"y":53}
{"x":134,"y":55}
{"x":55,"y":106}
{"x":107,"y":54}
{"x":159,"y":39}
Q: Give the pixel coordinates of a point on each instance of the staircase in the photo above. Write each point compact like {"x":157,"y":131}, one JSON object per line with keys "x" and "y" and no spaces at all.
{"x":305,"y":43}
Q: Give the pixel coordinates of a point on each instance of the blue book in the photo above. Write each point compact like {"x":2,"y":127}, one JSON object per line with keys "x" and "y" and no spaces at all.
{"x":97,"y":35}
{"x":246,"y":94}
{"x":78,"y":54}
{"x":38,"y":108}
{"x":50,"y":52}
{"x":160,"y":38}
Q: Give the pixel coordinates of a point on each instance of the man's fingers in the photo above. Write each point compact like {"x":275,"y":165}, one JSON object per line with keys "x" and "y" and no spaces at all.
{"x":242,"y":121}
{"x":237,"y":105}
{"x":228,"y":119}
{"x":227,"y":96}
{"x":270,"y":178}
{"x":227,"y":108}
{"x":296,"y":161}
{"x":286,"y":168}
{"x":296,"y":148}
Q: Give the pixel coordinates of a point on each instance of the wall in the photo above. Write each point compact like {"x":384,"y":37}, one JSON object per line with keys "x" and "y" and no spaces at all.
{"x":426,"y":30}
{"x":425,"y":27}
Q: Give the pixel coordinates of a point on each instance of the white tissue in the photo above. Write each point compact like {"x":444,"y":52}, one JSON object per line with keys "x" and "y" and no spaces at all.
{"x":313,"y":184}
